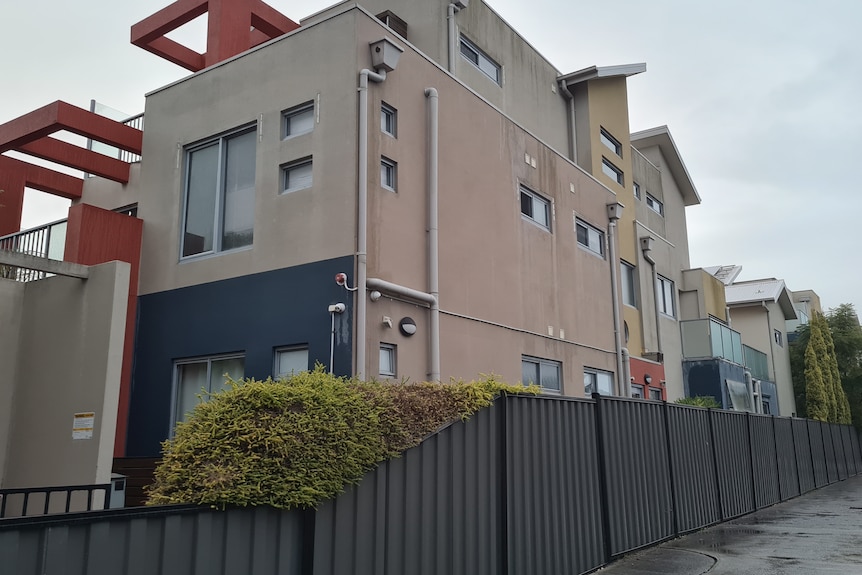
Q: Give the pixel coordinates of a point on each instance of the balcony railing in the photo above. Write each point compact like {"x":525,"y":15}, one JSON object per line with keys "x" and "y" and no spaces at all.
{"x":702,"y":338}
{"x":756,"y":362}
{"x":46,"y":500}
{"x":47,"y":241}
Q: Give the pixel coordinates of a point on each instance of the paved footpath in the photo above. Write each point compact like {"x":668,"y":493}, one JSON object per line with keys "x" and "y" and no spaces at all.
{"x":820,"y":532}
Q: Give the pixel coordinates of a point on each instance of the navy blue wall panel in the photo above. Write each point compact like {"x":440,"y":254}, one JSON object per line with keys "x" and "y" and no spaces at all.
{"x":251,"y":314}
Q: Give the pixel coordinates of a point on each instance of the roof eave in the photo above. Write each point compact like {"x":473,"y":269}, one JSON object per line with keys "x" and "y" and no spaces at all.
{"x":660,"y":136}
{"x":596,"y":72}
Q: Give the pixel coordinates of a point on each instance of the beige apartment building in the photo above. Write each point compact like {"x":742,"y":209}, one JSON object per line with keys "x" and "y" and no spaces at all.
{"x":407,"y":192}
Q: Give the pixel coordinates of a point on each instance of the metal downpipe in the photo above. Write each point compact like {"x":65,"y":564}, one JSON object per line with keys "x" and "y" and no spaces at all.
{"x":433,"y":251}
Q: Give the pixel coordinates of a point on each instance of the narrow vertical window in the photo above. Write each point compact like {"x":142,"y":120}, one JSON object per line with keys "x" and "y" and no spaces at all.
{"x":389,"y":120}
{"x":387,"y":360}
{"x":627,"y":273}
{"x":389,"y":174}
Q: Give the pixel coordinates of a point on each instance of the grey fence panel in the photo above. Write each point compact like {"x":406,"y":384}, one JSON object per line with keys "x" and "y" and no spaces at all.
{"x":829,"y":452}
{"x":840,"y":455}
{"x":696,"y":502}
{"x":765,"y":461}
{"x":734,"y":463}
{"x":554,"y":498}
{"x":849,"y":450}
{"x":818,"y":453}
{"x":165,"y":540}
{"x":640,"y":508}
{"x":436,"y":509}
{"x":857,"y":452}
{"x":785,"y":445}
{"x":804,"y":462}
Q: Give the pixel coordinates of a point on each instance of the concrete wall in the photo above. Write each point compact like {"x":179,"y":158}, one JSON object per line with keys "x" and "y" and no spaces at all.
{"x":757,"y":325}
{"x":70,"y":345}
{"x":701,"y":296}
{"x":11,"y":307}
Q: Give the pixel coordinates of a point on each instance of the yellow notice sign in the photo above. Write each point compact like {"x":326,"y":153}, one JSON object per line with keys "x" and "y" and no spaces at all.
{"x":82,"y":425}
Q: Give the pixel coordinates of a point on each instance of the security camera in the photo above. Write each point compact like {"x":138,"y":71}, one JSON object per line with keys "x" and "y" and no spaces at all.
{"x":337,"y":308}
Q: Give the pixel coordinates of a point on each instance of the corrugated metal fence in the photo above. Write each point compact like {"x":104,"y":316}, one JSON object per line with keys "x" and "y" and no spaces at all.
{"x":533,"y":485}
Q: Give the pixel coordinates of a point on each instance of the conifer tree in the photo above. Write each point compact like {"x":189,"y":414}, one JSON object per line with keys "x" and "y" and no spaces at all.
{"x":815,"y":390}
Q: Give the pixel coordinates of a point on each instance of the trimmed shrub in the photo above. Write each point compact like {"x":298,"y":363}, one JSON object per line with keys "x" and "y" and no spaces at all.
{"x":700,"y":401}
{"x":293,"y":442}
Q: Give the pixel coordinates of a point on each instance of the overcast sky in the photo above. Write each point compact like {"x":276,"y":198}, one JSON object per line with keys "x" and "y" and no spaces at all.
{"x":761,"y":97}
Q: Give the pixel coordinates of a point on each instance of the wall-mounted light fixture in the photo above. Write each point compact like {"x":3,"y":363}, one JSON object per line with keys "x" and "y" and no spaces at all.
{"x":648,"y":379}
{"x":407,"y":326}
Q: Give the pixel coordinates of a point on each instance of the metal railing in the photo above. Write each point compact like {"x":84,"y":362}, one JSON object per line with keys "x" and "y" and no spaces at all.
{"x":17,"y":502}
{"x":136,"y":122}
{"x":47,"y":241}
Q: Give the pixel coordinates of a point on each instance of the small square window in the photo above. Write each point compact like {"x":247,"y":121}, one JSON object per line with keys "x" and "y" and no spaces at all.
{"x":545,"y":373}
{"x":296,"y":176}
{"x":655,"y":205}
{"x":388,"y":174}
{"x":290,"y":360}
{"x":475,"y":56}
{"x":389,"y":120}
{"x":637,"y":391}
{"x":598,"y":381}
{"x":589,"y":237}
{"x":637,"y":189}
{"x":778,"y":338}
{"x":655,"y":394}
{"x":535,"y":208}
{"x":611,"y":143}
{"x":612,"y":171}
{"x":298,"y":120}
{"x":387,"y":360}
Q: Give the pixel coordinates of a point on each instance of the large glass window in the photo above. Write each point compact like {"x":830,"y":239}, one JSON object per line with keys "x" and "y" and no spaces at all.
{"x":219,"y":194}
{"x":545,"y":373}
{"x":197,"y":377}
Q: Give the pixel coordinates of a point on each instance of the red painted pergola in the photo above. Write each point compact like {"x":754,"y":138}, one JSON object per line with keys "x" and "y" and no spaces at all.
{"x":30,"y":134}
{"x":233,"y":27}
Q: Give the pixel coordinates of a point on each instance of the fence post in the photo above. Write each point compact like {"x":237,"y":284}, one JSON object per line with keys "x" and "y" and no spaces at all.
{"x":795,"y":455}
{"x":751,"y":461}
{"x":777,"y":460}
{"x":826,"y":455}
{"x":715,"y":464}
{"x":603,"y":479}
{"x":811,"y":453}
{"x":666,"y":410}
{"x":503,"y":474}
{"x":844,"y":452}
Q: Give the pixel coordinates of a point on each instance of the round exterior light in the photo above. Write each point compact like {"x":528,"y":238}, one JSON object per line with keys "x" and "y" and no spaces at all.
{"x":648,"y":379}
{"x":407,"y":326}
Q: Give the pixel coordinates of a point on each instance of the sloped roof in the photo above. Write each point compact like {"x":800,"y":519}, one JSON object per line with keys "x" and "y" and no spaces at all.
{"x":594,"y":72}
{"x":661,"y":137}
{"x":761,"y":290}
{"x":724,"y":274}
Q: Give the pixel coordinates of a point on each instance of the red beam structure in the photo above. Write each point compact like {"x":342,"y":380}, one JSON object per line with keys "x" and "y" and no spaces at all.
{"x":233,"y":26}
{"x":16,"y":175}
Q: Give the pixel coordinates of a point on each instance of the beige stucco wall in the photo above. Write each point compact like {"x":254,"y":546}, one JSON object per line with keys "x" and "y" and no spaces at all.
{"x":70,"y":340}
{"x":701,"y":296}
{"x":11,"y":305}
{"x":110,"y":195}
{"x":512,"y":278}
{"x":756,"y":326}
{"x":317,"y":64}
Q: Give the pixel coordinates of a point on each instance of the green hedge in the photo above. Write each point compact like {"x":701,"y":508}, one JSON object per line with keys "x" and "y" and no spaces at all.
{"x":294,"y":442}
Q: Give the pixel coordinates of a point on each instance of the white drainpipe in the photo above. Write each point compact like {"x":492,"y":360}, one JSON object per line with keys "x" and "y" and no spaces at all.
{"x":453,"y":40}
{"x":362,"y":218}
{"x":433,"y":252}
{"x":614,"y":212}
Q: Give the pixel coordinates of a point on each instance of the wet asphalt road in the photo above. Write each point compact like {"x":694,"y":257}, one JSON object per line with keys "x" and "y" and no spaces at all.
{"x":820,"y":532}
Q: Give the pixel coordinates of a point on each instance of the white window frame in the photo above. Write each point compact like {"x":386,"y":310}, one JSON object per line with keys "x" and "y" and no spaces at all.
{"x":286,"y":169}
{"x":536,"y":201}
{"x":388,"y":174}
{"x":287,"y":349}
{"x":219,"y":191}
{"x":665,"y":291}
{"x":209,"y":359}
{"x":654,"y":204}
{"x":392,"y":350}
{"x":610,"y":142}
{"x":388,"y":120}
{"x":595,"y":238}
{"x":542,"y":365}
{"x":637,"y":391}
{"x":612,"y":171}
{"x":290,"y":114}
{"x":482,"y":62}
{"x":594,"y":374}
{"x":778,"y":337}
{"x":637,"y":190}
{"x":628,"y":284}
